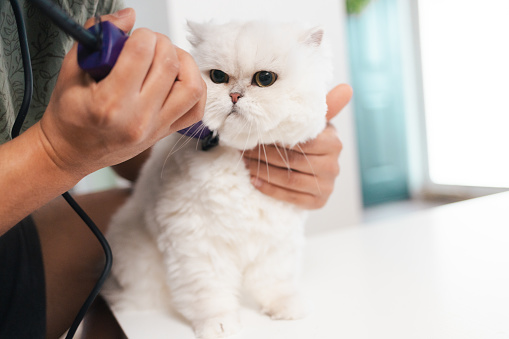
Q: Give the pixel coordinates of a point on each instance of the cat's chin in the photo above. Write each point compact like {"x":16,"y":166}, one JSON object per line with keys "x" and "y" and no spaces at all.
{"x":240,"y":141}
{"x":237,"y":132}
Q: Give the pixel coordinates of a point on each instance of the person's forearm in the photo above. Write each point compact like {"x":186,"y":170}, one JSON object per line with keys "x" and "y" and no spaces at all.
{"x":29,"y":177}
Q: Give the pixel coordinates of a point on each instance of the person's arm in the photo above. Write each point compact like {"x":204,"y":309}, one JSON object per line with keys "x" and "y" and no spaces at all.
{"x":28,"y":177}
{"x":153,"y":90}
{"x":314,"y":164}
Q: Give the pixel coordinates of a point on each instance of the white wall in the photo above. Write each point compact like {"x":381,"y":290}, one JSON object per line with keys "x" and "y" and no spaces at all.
{"x":344,"y":206}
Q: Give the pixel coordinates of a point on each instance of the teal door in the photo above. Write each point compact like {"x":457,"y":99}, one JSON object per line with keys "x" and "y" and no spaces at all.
{"x":375,"y":62}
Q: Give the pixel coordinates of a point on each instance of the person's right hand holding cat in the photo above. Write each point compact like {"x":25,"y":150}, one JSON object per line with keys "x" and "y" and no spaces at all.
{"x":314,"y":164}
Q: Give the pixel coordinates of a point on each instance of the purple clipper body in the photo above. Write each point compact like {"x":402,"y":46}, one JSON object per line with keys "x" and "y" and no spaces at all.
{"x":197,"y":130}
{"x":200,"y":131}
{"x":99,"y":63}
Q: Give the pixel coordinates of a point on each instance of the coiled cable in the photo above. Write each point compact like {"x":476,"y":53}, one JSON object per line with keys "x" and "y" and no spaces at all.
{"x":16,"y":129}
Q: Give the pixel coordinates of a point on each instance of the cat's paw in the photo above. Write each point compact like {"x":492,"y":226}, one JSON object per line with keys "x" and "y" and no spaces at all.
{"x":289,"y":307}
{"x":218,"y":327}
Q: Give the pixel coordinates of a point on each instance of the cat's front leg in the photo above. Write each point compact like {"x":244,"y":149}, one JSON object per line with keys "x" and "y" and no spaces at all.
{"x":204,"y":290}
{"x":273,"y":281}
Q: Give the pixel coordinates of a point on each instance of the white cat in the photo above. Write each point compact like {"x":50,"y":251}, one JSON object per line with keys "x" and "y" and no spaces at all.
{"x":195,"y":225}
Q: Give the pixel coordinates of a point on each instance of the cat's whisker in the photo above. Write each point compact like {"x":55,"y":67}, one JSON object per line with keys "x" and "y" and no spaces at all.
{"x":198,"y":131}
{"x":286,"y":161}
{"x":195,"y":133}
{"x":241,"y":129}
{"x":173,"y":151}
{"x":266,"y":163}
{"x":259,"y":155}
{"x":259,"y":151}
{"x":312,"y":170}
{"x":170,"y":153}
{"x":245,"y":145}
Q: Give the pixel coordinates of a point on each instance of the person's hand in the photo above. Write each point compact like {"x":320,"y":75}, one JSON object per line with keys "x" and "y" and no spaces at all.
{"x":154,"y":89}
{"x":305,"y":174}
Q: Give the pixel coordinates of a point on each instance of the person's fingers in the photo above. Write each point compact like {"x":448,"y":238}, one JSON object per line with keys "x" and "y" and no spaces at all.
{"x":326,"y":142}
{"x":194,"y":115}
{"x":284,"y":177}
{"x":337,"y":99}
{"x":123,"y":19}
{"x":162,"y":73}
{"x":133,"y":63}
{"x":284,"y":158}
{"x":187,"y":91}
{"x":303,"y":200}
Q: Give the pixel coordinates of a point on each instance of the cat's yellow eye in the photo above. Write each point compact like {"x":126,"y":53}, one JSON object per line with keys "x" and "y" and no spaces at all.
{"x":264,"y":78}
{"x":219,"y":77}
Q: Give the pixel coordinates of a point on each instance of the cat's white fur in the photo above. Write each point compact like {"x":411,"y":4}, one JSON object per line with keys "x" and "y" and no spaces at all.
{"x":194,"y":224}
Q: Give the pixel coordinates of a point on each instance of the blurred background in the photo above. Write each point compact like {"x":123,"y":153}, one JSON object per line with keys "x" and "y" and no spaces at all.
{"x":429,"y":120}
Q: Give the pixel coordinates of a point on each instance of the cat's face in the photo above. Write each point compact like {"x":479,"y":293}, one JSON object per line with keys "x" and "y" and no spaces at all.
{"x":266,"y":83}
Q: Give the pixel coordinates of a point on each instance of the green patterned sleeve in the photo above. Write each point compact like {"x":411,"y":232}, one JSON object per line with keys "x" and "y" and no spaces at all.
{"x":111,"y":6}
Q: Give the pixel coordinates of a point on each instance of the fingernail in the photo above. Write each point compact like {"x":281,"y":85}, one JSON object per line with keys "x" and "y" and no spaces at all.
{"x":122,"y":13}
{"x":256,"y":182}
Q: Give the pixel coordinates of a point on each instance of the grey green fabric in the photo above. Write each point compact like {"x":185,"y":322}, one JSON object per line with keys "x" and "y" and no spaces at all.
{"x":48,"y":46}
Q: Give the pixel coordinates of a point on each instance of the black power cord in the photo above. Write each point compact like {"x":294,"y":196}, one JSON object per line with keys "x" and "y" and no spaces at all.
{"x":107,"y":265}
{"x":27,"y":70}
{"x":20,"y":118}
{"x":75,"y":30}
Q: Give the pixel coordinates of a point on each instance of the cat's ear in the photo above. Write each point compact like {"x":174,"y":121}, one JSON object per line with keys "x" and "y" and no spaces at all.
{"x":313,"y":37}
{"x":196,"y":31}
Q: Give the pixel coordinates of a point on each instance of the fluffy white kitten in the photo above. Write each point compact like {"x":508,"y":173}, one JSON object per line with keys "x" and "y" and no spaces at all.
{"x":195,"y":225}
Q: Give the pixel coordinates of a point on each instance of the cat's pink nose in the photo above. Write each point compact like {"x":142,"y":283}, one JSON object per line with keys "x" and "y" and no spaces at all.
{"x":235,"y":97}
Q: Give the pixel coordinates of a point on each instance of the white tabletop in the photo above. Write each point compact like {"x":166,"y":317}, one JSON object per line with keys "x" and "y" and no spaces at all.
{"x":440,"y":273}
